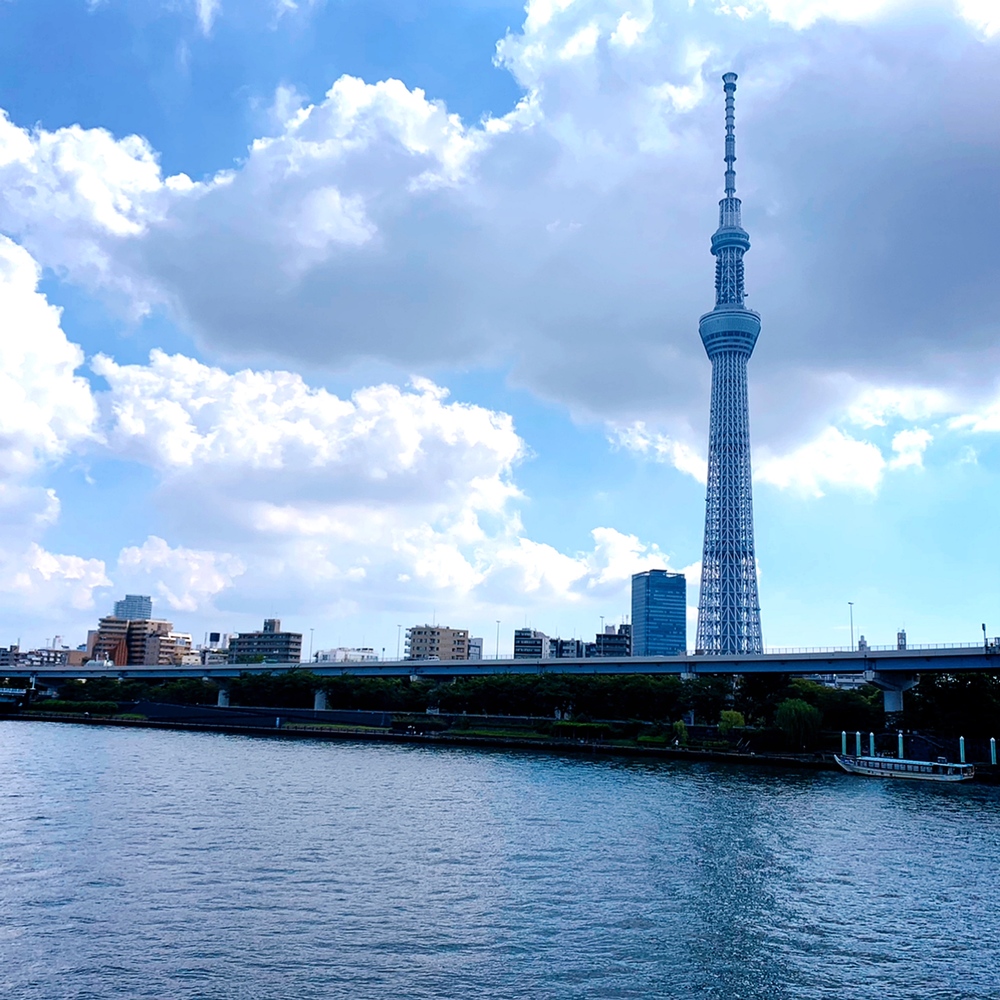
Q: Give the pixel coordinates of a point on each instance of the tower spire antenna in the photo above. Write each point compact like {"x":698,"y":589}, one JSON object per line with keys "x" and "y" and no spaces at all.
{"x":729,"y":82}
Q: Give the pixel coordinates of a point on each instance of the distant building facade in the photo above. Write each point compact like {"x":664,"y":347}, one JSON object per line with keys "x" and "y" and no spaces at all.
{"x":216,"y":641}
{"x":138,"y":642}
{"x":215,"y":649}
{"x":346,"y":654}
{"x":530,"y":644}
{"x":62,"y":656}
{"x":613,"y":641}
{"x":270,"y":645}
{"x":566,"y":649}
{"x":135,"y":607}
{"x":475,"y":648}
{"x":435,"y":642}
{"x":659,"y":613}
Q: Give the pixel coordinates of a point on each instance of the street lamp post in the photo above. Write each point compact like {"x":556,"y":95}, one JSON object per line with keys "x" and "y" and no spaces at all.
{"x":311,"y":645}
{"x":498,"y":639}
{"x":986,"y":644}
{"x":850,"y":604}
{"x":399,"y":634}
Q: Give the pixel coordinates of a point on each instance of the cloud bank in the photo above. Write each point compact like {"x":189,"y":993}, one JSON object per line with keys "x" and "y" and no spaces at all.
{"x":568,"y":238}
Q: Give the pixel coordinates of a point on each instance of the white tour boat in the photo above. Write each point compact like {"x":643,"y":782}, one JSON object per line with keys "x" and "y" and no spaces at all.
{"x":896,"y":767}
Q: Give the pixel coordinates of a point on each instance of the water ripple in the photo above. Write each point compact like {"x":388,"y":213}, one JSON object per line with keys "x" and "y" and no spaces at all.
{"x":150,"y":864}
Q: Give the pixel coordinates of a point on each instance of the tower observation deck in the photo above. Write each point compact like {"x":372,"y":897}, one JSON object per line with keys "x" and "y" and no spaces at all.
{"x":728,"y":605}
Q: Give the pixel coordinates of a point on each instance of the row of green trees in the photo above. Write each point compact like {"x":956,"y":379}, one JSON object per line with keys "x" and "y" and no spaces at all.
{"x":652,"y":699}
{"x":969,"y":704}
{"x":192,"y":691}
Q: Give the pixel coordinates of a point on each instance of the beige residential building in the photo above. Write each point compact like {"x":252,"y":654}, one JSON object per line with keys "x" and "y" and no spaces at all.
{"x":110,"y":641}
{"x":165,"y":648}
{"x":138,"y":642}
{"x":434,"y":642}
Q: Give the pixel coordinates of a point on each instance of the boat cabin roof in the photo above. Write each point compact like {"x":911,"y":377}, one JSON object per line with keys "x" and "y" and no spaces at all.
{"x":902,"y":761}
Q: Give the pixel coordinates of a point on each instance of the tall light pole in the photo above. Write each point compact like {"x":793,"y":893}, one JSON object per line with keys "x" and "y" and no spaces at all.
{"x":850,"y":604}
{"x":311,"y":645}
{"x":498,"y":639}
{"x":986,"y":645}
{"x":399,"y":635}
{"x":602,"y":624}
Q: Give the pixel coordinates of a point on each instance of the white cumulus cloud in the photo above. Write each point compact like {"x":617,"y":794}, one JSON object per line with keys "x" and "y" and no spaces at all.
{"x":909,"y":446}
{"x":36,"y":583}
{"x":185,"y":579}
{"x":274,"y":486}
{"x":374,"y":223}
{"x":47,"y":408}
{"x":832,"y":459}
{"x":47,"y":413}
{"x":636,"y":437}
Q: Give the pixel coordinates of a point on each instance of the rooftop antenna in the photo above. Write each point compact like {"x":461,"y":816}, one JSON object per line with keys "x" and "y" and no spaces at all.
{"x":729,"y":83}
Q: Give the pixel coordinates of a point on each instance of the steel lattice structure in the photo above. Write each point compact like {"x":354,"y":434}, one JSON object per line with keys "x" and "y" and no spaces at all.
{"x":728,"y":605}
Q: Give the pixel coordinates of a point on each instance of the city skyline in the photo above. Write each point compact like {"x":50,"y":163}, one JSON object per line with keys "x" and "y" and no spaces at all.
{"x":362,"y":328}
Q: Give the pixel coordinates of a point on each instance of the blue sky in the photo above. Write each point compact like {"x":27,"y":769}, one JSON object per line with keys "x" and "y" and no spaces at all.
{"x":366,"y":319}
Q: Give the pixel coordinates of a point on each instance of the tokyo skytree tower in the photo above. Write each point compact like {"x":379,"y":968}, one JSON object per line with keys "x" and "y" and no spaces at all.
{"x":728,"y":605}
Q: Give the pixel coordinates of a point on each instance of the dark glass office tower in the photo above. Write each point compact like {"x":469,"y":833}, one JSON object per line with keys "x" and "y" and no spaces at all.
{"x":659,"y":613}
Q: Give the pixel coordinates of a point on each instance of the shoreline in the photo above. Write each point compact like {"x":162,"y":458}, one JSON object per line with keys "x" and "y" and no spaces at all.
{"x":816,"y":761}
{"x":821,"y":761}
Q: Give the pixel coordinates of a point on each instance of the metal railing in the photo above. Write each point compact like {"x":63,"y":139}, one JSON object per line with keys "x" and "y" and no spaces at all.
{"x":850,"y":650}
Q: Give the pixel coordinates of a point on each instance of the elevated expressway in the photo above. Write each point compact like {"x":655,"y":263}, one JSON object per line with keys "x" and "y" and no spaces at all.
{"x":892,"y":670}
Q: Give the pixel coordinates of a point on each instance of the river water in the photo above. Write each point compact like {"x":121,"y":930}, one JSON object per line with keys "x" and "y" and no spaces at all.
{"x":168,"y":865}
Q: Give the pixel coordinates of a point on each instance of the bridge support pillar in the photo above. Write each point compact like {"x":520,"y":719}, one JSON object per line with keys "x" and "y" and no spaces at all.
{"x":893,"y":685}
{"x":319,"y":700}
{"x":223,"y":700}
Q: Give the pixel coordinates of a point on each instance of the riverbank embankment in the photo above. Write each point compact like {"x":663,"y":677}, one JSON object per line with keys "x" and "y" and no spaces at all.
{"x":273,"y":724}
{"x":281,"y":728}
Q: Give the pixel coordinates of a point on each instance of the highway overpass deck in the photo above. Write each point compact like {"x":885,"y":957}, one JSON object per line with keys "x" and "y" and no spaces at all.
{"x":946,"y":659}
